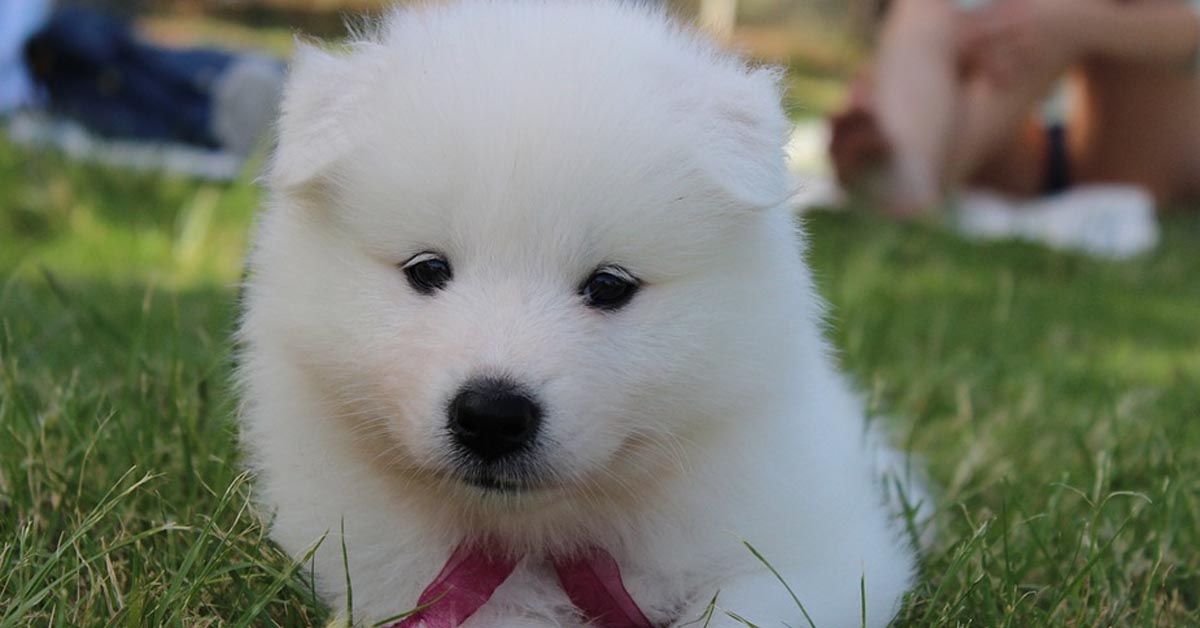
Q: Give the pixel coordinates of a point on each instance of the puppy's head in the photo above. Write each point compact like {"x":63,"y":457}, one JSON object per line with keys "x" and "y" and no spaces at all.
{"x":528,"y":248}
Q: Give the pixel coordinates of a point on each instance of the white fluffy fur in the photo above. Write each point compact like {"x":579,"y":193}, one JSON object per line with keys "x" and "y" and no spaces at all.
{"x":531,"y":142}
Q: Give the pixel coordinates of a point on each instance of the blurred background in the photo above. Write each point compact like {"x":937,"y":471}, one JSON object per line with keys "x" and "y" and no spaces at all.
{"x":1054,"y":395}
{"x":822,"y":39}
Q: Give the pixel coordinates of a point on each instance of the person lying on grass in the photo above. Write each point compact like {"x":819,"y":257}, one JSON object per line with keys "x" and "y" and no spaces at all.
{"x":94,"y":68}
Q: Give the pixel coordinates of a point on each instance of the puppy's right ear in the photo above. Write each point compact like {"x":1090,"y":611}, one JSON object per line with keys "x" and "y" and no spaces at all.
{"x":311,"y":133}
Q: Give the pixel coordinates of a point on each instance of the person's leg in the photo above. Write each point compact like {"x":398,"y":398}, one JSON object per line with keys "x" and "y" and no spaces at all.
{"x":1140,"y":125}
{"x":188,"y":69}
{"x":916,"y":98}
{"x":166,"y":95}
{"x":1133,"y":122}
{"x":1016,"y":166}
{"x":89,"y":63}
{"x":939,"y":123}
{"x":97,"y":71}
{"x":230,"y":97}
{"x":1002,"y":142}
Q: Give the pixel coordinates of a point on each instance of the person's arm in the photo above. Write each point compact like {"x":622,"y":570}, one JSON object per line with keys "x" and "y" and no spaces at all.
{"x":1008,"y":36}
{"x":1167,"y":33}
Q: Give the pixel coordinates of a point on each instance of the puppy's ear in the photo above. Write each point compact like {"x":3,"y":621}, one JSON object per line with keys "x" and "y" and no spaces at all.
{"x":311,"y":133}
{"x":745,"y":154}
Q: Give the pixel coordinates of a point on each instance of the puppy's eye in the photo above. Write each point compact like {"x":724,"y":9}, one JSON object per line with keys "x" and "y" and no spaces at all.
{"x":427,"y":272}
{"x":609,"y":288}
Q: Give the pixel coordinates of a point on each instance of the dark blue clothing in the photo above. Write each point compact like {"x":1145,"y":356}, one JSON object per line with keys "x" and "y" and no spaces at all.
{"x":1057,"y":175}
{"x":96,"y":71}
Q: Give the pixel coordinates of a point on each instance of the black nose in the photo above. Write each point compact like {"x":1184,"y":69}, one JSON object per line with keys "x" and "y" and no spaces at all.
{"x":493,"y":419}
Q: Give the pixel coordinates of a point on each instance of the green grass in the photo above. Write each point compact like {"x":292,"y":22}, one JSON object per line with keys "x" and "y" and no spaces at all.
{"x":1056,"y":400}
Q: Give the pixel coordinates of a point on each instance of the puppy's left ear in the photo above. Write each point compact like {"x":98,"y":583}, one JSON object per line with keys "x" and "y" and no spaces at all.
{"x":311,"y":134}
{"x":745,"y":154}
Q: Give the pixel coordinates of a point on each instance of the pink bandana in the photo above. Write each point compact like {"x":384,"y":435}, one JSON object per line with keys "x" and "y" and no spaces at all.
{"x":592,"y":580}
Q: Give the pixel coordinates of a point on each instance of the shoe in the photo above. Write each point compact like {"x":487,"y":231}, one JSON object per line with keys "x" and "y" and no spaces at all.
{"x":1110,"y":221}
{"x":245,"y":102}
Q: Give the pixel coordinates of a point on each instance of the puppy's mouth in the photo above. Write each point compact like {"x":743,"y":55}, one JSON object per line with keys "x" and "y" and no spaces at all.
{"x":512,"y":478}
{"x":490,"y":483}
{"x":521,"y":474}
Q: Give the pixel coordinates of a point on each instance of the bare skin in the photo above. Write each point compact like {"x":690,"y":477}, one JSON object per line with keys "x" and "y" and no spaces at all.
{"x":952,"y":96}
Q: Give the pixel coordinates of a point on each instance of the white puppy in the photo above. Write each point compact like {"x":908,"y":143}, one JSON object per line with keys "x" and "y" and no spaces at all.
{"x":526,"y":282}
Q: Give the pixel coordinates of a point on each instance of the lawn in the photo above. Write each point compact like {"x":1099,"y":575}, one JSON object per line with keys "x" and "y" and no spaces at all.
{"x":1056,"y":400}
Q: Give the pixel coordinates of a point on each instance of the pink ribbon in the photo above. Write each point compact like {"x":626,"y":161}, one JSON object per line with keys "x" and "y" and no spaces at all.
{"x":593,"y":582}
{"x":591,"y":579}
